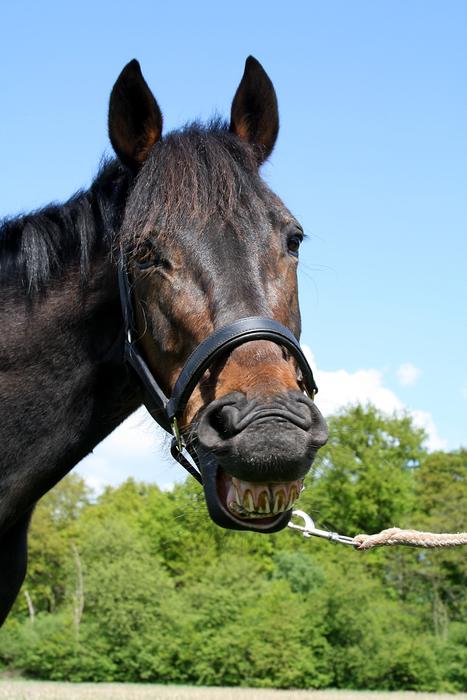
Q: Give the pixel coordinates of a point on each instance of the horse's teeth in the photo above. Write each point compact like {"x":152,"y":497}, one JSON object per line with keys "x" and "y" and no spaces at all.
{"x":248,"y":501}
{"x":262,"y":500}
{"x":263,"y":503}
{"x":279,"y":501}
{"x":292,"y":497}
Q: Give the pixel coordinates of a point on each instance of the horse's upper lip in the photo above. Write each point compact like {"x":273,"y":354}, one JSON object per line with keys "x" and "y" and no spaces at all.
{"x":236,"y":420}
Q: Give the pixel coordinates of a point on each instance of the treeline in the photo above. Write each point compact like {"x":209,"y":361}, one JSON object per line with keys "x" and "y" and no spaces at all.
{"x":139,"y":585}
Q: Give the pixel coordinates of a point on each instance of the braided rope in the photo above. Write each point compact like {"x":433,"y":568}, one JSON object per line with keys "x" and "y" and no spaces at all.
{"x":411,"y":538}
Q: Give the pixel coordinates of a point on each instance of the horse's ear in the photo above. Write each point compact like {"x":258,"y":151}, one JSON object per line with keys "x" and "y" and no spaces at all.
{"x":255,"y":116}
{"x":135,"y":120}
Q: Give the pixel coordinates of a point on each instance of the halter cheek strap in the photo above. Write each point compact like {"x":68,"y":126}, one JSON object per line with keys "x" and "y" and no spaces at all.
{"x":156,"y":399}
{"x":167,"y":411}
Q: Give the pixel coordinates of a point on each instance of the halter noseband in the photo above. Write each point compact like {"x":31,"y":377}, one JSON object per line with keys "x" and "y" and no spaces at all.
{"x":167,"y":411}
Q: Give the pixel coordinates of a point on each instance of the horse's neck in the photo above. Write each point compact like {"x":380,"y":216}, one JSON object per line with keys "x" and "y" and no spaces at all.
{"x":61,"y":389}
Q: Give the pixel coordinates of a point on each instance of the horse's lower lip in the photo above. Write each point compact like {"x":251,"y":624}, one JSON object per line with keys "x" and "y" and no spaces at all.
{"x":261,"y":502}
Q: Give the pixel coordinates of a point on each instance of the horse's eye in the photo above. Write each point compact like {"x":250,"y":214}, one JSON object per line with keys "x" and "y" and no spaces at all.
{"x":147,"y":257}
{"x":293,"y":244}
{"x":146,"y":264}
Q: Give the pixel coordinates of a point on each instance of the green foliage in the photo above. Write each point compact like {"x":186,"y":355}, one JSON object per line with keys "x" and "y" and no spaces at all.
{"x":141,"y":586}
{"x":49,"y":546}
{"x":304,"y":575}
{"x":454,"y":656}
{"x":364,"y":479}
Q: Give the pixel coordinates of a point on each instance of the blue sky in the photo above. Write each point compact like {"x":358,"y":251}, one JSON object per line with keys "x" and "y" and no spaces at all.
{"x":372,"y":158}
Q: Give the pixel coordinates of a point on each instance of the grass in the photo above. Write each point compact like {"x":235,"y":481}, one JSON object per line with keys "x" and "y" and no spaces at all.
{"x":34,"y":690}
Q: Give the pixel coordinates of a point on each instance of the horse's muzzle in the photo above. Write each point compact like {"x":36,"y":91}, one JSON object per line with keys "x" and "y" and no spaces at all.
{"x":254,"y":455}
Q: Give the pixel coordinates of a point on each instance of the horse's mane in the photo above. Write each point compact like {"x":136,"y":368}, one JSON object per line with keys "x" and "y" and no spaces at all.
{"x":192,"y":174}
{"x":35,"y":247}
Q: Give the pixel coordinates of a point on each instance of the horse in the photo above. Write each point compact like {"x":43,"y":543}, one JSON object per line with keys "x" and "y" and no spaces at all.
{"x":173,"y":275}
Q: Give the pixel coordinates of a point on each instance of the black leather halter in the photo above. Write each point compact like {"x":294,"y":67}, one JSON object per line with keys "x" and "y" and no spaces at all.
{"x":167,"y":411}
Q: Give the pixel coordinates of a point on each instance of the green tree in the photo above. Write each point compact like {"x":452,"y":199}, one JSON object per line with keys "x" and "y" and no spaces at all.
{"x":50,"y":547}
{"x":138,"y":584}
{"x":364,"y":479}
{"x":441,"y":484}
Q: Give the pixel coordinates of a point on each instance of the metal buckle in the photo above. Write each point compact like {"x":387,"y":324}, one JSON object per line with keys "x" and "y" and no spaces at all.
{"x":309,"y":530}
{"x":176,"y":434}
{"x":311,"y":393}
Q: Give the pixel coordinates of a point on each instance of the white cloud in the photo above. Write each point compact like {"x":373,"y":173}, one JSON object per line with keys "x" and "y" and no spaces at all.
{"x":408,"y":374}
{"x":424,"y":419}
{"x":138,"y":448}
{"x":341,"y":388}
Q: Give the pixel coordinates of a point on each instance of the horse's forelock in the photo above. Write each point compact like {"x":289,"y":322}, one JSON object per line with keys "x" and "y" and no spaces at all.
{"x":192,"y":178}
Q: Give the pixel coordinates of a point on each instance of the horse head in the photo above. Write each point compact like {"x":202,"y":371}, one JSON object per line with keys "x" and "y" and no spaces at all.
{"x":206,"y":243}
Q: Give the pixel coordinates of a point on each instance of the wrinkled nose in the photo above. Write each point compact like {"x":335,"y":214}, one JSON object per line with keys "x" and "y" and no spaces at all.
{"x":272,"y":440}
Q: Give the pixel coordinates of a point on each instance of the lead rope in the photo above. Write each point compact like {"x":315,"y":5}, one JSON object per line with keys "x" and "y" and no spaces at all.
{"x":390,"y":537}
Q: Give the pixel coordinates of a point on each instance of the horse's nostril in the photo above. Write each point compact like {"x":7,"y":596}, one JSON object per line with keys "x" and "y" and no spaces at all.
{"x":219,"y":422}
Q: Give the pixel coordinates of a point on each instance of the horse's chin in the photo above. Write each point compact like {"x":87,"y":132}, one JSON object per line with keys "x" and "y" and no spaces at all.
{"x":236,"y":504}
